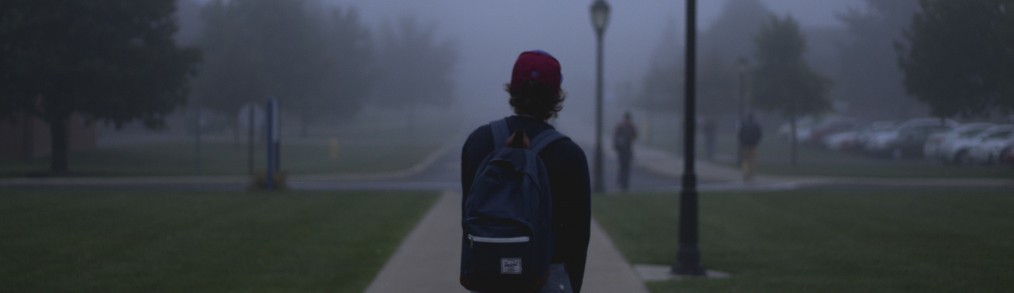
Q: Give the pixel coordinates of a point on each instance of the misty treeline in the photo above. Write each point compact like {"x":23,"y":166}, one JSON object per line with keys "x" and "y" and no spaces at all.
{"x":893,"y":59}
{"x":119,"y":61}
{"x":319,"y":60}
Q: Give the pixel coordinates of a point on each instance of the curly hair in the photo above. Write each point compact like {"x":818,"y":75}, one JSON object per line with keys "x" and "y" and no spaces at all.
{"x":536,"y":100}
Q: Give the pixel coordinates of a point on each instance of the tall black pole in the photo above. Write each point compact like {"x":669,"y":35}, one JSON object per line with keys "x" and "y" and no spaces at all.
{"x":688,"y":256}
{"x":742,"y":94}
{"x":250,"y":141}
{"x":599,"y":184}
{"x":197,"y":143}
{"x":741,"y":113}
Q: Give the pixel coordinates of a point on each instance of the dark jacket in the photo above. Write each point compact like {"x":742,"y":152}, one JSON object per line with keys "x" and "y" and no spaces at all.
{"x":623,"y":138}
{"x":569,"y":184}
{"x":749,"y":133}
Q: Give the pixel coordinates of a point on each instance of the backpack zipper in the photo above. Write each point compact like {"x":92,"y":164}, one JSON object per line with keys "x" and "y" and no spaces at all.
{"x":518,"y":239}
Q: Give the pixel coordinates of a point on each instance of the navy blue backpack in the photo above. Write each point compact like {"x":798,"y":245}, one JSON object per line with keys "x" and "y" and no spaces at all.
{"x":507,"y":216}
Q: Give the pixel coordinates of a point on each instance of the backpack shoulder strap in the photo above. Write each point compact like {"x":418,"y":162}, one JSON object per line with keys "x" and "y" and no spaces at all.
{"x":500,"y":133}
{"x":544,"y":139}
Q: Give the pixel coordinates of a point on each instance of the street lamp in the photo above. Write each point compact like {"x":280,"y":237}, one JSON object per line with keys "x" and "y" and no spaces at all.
{"x":688,"y":256}
{"x":600,"y":18}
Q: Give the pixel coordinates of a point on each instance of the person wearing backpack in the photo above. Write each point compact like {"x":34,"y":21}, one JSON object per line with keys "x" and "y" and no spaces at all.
{"x":749,"y":137}
{"x":526,"y":206}
{"x":623,"y":142}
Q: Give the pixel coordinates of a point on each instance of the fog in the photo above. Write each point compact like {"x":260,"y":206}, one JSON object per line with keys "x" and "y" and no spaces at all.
{"x":490,"y":34}
{"x":487,"y":36}
{"x":381,"y":68}
{"x":293,"y":144}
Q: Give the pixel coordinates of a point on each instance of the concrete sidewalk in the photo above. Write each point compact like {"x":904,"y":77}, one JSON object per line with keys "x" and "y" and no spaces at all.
{"x":429,"y":258}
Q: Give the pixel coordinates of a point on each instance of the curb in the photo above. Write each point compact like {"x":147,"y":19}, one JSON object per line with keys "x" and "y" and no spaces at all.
{"x":227,"y":179}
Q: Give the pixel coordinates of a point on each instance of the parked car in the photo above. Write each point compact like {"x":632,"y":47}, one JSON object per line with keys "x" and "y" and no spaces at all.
{"x":841,"y":141}
{"x":876,"y":128}
{"x":908,"y":138}
{"x":912,"y":139}
{"x":935,"y":142}
{"x":816,"y":133}
{"x":802,"y":124}
{"x":850,"y":139}
{"x":989,"y":149}
{"x":811,"y":129}
{"x":958,"y":151}
{"x":947,"y":149}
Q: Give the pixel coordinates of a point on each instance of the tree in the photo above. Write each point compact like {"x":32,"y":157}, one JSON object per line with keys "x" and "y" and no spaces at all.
{"x":730,"y":35}
{"x":660,"y":87}
{"x":232,"y":74}
{"x":256,"y":50}
{"x":111,"y":60}
{"x":314,"y":59}
{"x":415,"y":66}
{"x":869,"y":78}
{"x":724,"y":42}
{"x":727,"y":42}
{"x":346,"y":72}
{"x":958,"y":57}
{"x":782,"y":81}
{"x":717,"y":86}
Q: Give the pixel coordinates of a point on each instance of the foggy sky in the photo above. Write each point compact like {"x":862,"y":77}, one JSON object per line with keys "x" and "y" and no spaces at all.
{"x":490,"y":35}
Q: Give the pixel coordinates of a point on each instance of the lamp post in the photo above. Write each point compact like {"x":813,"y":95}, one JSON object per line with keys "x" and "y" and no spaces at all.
{"x":600,"y":18}
{"x":688,"y":256}
{"x":742,"y":66}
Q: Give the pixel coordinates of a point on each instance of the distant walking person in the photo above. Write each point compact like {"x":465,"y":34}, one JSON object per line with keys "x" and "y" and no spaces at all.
{"x":710,"y":128}
{"x":503,"y":245}
{"x":749,"y":137}
{"x":623,"y":143}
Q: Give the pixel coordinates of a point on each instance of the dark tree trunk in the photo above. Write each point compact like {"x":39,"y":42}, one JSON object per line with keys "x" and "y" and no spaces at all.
{"x":58,"y":134}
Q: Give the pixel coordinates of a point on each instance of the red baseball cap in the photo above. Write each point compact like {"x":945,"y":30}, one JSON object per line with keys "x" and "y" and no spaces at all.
{"x":536,"y":66}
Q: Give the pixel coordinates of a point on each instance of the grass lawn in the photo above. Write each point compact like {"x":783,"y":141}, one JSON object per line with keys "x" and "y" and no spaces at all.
{"x":369,"y":144}
{"x":828,"y":241}
{"x":178,"y":158}
{"x":774,"y":157}
{"x":136,"y":241}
